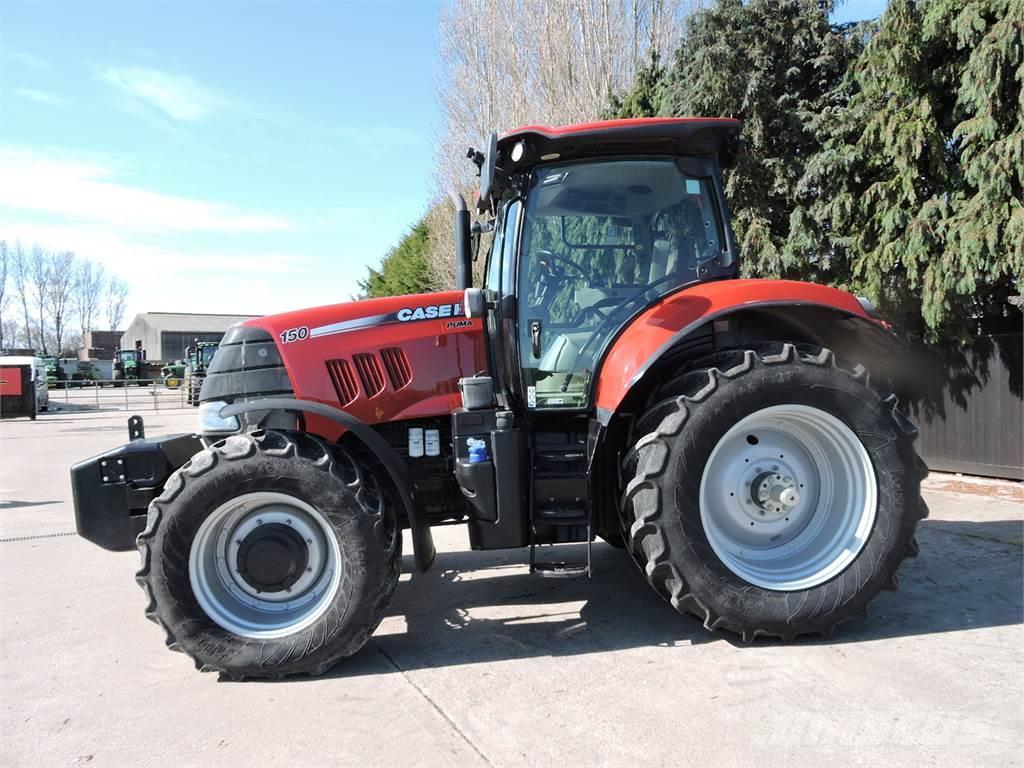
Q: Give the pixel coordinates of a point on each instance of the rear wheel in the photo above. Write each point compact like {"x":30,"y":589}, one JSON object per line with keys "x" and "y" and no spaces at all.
{"x":773,"y":492}
{"x":270,"y":554}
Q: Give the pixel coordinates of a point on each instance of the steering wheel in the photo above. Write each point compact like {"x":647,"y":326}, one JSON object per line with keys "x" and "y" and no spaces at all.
{"x":544,"y":254}
{"x":608,"y":301}
{"x":614,"y":311}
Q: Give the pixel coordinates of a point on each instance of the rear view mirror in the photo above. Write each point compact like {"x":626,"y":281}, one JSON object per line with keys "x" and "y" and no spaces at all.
{"x":487,"y":174}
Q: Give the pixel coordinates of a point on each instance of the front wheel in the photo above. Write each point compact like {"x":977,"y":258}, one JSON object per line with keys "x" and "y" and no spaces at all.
{"x":773,"y":492}
{"x":270,"y":554}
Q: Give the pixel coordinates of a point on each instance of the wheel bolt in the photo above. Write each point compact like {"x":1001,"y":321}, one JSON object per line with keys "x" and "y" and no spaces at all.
{"x":309,"y":541}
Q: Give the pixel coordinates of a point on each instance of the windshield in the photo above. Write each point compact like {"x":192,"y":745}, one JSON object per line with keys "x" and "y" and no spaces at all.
{"x":207,"y":353}
{"x":601,"y":240}
{"x":128,"y":356}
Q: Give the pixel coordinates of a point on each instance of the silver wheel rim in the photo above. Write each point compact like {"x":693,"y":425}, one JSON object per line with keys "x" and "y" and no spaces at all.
{"x":788,"y":497}
{"x":219,"y":578}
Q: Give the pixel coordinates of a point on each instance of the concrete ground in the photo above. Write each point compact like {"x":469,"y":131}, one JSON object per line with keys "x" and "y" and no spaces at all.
{"x":479,"y":663}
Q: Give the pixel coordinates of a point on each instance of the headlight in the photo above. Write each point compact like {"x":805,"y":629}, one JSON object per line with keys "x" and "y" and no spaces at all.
{"x":210,"y":420}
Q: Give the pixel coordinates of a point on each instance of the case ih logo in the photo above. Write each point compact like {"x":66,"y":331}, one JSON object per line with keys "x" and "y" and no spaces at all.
{"x":430,"y":313}
{"x":407,"y":315}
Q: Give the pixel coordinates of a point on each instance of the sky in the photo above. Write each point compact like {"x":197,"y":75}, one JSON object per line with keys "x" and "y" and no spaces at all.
{"x":236,"y":157}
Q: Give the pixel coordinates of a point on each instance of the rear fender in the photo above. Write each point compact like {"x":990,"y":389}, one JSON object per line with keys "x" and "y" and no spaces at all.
{"x":731,"y":313}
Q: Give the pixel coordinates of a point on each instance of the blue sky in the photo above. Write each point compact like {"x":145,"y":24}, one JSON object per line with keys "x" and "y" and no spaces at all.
{"x":245,"y":157}
{"x":224,"y":156}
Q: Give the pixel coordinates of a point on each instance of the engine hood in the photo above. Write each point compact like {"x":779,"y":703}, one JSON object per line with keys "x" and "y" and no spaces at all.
{"x":380,"y":359}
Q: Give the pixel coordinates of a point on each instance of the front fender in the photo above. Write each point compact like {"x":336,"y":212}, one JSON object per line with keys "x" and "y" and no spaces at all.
{"x":422,"y":539}
{"x":642,"y":343}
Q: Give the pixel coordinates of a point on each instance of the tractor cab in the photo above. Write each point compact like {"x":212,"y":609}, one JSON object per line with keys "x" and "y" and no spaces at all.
{"x":588,"y":234}
{"x":592,"y":224}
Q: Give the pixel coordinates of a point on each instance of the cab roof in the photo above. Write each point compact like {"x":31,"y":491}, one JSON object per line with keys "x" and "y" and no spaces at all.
{"x":708,"y":136}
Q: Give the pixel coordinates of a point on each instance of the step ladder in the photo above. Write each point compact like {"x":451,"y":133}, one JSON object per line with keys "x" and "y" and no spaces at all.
{"x":549,"y":466}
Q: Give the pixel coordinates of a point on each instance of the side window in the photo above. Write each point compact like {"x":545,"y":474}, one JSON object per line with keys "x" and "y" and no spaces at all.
{"x":492,"y":274}
{"x":600,"y":241}
{"x":508,"y":246}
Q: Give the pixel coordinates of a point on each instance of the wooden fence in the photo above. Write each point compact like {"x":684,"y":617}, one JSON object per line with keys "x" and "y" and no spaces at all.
{"x":971,"y":411}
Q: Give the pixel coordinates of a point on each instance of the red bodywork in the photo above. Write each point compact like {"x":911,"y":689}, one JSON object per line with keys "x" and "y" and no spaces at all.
{"x":605,"y":126}
{"x":437,"y":351}
{"x":652,"y":332}
{"x":441,"y":350}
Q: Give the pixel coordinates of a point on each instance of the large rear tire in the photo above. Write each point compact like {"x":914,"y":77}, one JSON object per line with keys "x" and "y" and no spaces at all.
{"x":270,"y":554}
{"x":772,"y":491}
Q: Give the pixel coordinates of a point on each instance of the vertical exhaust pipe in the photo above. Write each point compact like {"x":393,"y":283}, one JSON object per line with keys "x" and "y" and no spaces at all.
{"x":463,"y":249}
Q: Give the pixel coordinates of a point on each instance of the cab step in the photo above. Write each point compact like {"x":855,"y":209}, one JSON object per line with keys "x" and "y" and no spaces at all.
{"x":560,"y":509}
{"x":561,"y":570}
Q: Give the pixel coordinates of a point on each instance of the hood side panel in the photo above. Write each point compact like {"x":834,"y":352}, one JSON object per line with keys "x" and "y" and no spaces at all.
{"x":381,"y":359}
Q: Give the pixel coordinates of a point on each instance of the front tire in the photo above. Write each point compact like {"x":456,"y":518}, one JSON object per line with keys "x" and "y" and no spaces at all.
{"x":773,"y":492}
{"x":270,"y":554}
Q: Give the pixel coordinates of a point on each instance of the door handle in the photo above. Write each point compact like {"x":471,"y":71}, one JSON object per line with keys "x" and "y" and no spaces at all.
{"x":535,"y":329}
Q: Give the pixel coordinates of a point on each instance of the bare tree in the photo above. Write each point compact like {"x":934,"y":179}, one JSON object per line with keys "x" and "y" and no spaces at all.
{"x":117,"y":300}
{"x":10,"y":330}
{"x":507,"y":63}
{"x":59,"y":295}
{"x":39,"y":266}
{"x":4,"y":296}
{"x":22,"y":280}
{"x":89,"y":283}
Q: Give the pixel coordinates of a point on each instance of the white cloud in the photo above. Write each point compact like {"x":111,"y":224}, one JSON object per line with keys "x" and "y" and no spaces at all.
{"x":179,"y":97}
{"x":27,"y":59}
{"x":163,"y":278}
{"x":40,"y":97}
{"x":85,"y":192}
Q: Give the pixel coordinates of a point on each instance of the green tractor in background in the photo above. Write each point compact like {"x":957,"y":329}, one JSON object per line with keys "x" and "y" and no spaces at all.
{"x":199,"y":357}
{"x":128,"y":365}
{"x":54,"y":372}
{"x":172,"y":374}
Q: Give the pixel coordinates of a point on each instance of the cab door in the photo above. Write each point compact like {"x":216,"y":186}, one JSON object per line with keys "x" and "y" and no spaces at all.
{"x":502,"y":319}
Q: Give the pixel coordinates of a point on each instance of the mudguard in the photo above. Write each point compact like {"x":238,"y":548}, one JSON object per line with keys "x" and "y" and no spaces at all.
{"x":663,"y":325}
{"x":422,"y":539}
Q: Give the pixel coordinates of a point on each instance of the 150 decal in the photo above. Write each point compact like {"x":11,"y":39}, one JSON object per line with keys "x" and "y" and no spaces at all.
{"x":294,"y":334}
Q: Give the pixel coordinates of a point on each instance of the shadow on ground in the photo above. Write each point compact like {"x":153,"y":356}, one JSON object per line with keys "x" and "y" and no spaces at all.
{"x":13,"y":504}
{"x":968,"y":576}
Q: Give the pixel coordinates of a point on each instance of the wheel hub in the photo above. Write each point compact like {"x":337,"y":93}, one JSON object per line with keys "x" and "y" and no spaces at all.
{"x":774,"y":493}
{"x":265,"y":564}
{"x":788,"y":497}
{"x":272,"y":557}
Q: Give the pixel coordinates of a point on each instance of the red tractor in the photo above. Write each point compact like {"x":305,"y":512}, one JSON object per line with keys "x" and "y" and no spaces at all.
{"x":612,"y":378}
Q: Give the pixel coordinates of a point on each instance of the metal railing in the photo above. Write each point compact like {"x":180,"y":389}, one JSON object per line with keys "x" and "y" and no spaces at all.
{"x":116,"y":395}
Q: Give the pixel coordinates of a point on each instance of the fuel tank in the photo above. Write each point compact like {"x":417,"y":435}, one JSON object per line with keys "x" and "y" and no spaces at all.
{"x":381,"y":360}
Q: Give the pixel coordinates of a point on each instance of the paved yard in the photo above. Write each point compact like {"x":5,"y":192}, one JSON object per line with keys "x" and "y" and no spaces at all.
{"x":479,"y":663}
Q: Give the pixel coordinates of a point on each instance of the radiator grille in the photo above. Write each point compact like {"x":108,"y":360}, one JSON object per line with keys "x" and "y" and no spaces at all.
{"x":344,"y":380}
{"x":397,"y":366}
{"x":370,"y":373}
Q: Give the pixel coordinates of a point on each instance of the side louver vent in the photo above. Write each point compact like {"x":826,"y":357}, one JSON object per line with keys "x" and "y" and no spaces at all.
{"x":397,"y":366}
{"x":370,"y":373}
{"x":344,"y":380}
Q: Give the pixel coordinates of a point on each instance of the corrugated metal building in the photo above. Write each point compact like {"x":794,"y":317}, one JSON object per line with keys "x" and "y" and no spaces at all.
{"x":166,"y":335}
